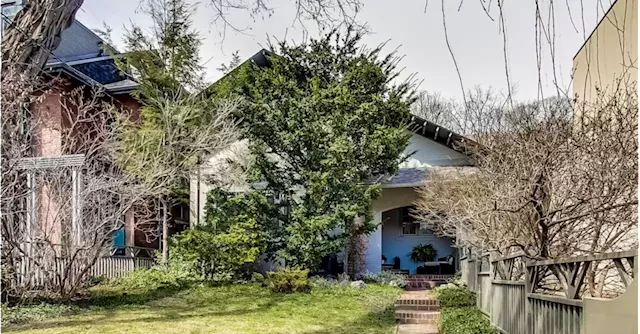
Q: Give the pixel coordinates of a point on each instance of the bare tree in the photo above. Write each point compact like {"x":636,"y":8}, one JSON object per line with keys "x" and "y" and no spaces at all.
{"x":542,"y":185}
{"x":325,"y":13}
{"x":35,"y":32}
{"x":165,"y":155}
{"x":59,"y":212}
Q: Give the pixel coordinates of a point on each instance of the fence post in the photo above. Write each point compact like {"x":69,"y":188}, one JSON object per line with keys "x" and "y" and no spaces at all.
{"x":527,"y":289}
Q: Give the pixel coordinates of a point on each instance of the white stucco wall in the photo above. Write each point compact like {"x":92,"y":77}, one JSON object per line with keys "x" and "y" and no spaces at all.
{"x":391,"y":198}
{"x":429,"y":153}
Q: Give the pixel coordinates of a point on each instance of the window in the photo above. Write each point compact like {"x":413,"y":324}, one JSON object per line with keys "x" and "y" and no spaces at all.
{"x":409,"y":226}
{"x":409,"y":229}
{"x":412,"y":227}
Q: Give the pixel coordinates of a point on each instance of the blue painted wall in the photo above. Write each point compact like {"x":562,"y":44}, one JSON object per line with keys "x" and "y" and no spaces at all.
{"x":394,"y":243}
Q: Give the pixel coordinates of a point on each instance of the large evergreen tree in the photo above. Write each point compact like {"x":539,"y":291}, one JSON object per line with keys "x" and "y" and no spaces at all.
{"x":324,"y":117}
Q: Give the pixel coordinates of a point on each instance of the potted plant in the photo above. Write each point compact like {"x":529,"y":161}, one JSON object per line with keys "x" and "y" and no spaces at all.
{"x":422,"y":253}
{"x":384,"y":259}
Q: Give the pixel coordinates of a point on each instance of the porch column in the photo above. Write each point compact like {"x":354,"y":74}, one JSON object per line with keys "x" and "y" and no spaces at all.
{"x":373,"y":257}
{"x":129,"y":228}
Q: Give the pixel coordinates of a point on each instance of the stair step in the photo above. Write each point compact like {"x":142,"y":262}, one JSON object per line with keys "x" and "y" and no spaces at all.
{"x":424,"y":285}
{"x":417,"y":317}
{"x":417,"y":329}
{"x":418,"y":307}
{"x":417,"y":304}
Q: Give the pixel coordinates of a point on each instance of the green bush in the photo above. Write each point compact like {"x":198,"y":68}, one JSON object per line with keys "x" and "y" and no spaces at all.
{"x":234,"y":235}
{"x":289,"y":280}
{"x":386,"y":278}
{"x":257,"y":278}
{"x":452,"y":295}
{"x":464,"y":320}
{"x":27,"y":313}
{"x":175,"y":275}
{"x":323,"y":282}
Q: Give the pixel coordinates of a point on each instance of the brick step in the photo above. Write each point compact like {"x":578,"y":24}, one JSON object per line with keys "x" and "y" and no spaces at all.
{"x":421,"y":285}
{"x":430,"y":277}
{"x":426,"y":304}
{"x":418,"y":307}
{"x":417,"y":317}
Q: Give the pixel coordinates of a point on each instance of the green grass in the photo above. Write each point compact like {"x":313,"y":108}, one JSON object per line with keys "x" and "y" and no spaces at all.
{"x":227,"y":309}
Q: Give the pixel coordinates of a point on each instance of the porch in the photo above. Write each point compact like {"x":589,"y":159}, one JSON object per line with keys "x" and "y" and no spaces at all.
{"x":390,"y":245}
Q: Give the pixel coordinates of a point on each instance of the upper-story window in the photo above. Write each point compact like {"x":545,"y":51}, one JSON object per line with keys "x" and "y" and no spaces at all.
{"x":9,"y":10}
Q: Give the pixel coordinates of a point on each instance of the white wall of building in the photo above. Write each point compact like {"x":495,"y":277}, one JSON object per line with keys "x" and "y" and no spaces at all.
{"x":429,"y":153}
{"x":391,"y":198}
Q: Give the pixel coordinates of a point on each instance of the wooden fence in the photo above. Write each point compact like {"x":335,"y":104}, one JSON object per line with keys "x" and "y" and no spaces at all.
{"x":30,"y":275}
{"x":515,"y":294}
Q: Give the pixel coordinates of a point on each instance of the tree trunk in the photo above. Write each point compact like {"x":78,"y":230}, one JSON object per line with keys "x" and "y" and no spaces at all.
{"x":35,"y":32}
{"x":356,"y":250}
{"x":165,"y":232}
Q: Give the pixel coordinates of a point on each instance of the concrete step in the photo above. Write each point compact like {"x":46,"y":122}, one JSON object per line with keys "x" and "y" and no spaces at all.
{"x":417,"y":329}
{"x":417,"y":317}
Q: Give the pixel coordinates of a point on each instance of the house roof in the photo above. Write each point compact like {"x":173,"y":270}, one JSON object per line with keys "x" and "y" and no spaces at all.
{"x":80,"y":56}
{"x":440,"y":135}
{"x":77,"y":42}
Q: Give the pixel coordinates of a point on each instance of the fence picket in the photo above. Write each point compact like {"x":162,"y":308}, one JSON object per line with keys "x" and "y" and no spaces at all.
{"x":32,"y":276}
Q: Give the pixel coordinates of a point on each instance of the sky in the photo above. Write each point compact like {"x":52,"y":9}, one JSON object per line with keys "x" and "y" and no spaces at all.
{"x":416,"y":29}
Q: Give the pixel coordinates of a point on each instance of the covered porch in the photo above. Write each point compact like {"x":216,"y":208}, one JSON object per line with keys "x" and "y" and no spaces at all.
{"x":390,"y":245}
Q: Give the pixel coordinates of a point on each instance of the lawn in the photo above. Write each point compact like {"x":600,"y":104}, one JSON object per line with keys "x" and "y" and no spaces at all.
{"x":243,"y":308}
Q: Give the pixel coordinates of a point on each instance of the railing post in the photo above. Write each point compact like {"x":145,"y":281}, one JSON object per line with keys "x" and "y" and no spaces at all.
{"x":528,"y":287}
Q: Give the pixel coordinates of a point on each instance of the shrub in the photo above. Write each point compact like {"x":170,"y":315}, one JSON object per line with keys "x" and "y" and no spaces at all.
{"x":257,"y":278}
{"x":175,"y":275}
{"x":385,"y":278}
{"x":289,"y":280}
{"x":323,"y":282}
{"x":234,"y":235}
{"x":452,"y":295}
{"x":464,"y":320}
{"x":27,"y":313}
{"x":93,"y":281}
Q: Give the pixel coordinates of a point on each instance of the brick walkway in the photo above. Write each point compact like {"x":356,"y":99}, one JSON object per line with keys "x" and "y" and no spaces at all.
{"x":417,"y":313}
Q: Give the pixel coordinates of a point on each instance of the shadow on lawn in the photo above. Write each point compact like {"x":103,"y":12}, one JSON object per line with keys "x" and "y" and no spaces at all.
{"x":111,"y":306}
{"x":380,"y":319}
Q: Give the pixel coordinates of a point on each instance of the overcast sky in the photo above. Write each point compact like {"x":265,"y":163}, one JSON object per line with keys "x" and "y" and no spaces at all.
{"x":474,"y":38}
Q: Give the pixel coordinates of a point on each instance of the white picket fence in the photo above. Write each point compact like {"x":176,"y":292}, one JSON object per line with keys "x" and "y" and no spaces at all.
{"x":28,"y":274}
{"x":112,"y":267}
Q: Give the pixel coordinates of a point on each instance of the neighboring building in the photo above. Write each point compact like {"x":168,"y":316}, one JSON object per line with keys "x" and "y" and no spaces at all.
{"x":610,"y":53}
{"x":430,"y":147}
{"x":81,"y":61}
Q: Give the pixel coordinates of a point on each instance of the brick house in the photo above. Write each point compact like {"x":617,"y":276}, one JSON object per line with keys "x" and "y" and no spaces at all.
{"x":79,"y":60}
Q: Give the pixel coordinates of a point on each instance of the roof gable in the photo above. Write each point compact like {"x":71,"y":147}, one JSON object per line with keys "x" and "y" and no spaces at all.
{"x":77,"y":42}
